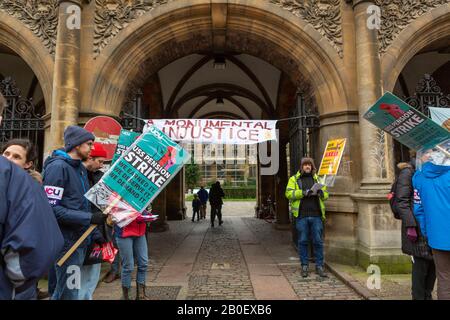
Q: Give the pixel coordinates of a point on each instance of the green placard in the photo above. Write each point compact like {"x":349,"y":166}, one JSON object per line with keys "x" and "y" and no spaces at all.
{"x":126,"y":139}
{"x":405,"y":124}
{"x":146,"y":168}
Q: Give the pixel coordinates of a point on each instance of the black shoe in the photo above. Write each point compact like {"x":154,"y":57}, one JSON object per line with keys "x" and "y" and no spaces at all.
{"x":305,"y":271}
{"x":212,"y":225}
{"x":220,"y":223}
{"x":321,"y":272}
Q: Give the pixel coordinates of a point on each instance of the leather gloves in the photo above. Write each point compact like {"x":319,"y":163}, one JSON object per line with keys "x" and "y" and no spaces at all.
{"x":98,"y":218}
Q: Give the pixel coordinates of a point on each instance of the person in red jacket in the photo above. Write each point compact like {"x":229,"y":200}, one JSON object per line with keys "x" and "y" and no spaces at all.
{"x":132,"y":245}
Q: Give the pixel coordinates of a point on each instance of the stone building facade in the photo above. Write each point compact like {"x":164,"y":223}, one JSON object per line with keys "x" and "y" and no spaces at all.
{"x":90,"y":56}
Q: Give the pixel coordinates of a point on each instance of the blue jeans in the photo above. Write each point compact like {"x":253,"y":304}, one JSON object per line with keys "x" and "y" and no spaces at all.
{"x":305,"y":227}
{"x":68,"y":277}
{"x":90,"y":275}
{"x":115,"y":265}
{"x":131,"y":248}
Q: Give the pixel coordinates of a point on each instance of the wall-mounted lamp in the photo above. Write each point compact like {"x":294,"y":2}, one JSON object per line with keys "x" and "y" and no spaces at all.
{"x":220,"y":62}
{"x":219,"y":102}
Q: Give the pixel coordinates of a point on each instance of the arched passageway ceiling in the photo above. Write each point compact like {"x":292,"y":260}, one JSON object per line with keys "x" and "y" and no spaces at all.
{"x":243,"y":107}
{"x":419,"y":34}
{"x":220,"y":115}
{"x":194,"y":71}
{"x":12,"y":65}
{"x":222,"y":90}
{"x":435,"y":58}
{"x":172,"y":32}
{"x":17,"y":38}
{"x":248,"y":109}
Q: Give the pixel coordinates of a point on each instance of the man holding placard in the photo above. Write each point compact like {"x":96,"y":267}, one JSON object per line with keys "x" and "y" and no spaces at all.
{"x":306,"y":196}
{"x":65,"y":182}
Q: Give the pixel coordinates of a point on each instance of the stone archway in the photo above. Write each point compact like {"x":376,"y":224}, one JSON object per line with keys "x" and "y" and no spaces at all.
{"x":420,"y":33}
{"x":17,"y":37}
{"x":253,"y":27}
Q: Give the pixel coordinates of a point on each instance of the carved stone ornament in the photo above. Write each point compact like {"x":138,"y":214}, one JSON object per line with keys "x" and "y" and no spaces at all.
{"x":40,"y":16}
{"x":323,"y":15}
{"x":398,"y":14}
{"x":111,"y":16}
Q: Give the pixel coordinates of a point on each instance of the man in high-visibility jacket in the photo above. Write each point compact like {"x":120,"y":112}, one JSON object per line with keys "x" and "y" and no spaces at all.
{"x":306,"y":196}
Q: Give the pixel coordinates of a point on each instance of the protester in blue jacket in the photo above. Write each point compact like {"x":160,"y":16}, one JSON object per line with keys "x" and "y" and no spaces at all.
{"x":30,"y":239}
{"x":65,"y":182}
{"x":432,"y":210}
{"x":203,"y":196}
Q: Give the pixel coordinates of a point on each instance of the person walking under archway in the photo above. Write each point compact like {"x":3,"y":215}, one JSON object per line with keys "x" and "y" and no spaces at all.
{"x":215,"y":201}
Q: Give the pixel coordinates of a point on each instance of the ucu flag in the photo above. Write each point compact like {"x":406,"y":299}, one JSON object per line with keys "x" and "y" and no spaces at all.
{"x":417,"y":197}
{"x":54,"y":194}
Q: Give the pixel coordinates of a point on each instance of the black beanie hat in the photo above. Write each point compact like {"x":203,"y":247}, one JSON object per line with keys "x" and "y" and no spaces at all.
{"x":75,"y":136}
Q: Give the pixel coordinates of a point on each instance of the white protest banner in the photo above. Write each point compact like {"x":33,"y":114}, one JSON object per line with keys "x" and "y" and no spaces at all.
{"x":218,"y":131}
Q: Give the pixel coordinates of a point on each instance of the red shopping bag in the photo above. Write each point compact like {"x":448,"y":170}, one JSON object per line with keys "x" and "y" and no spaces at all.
{"x":109,"y":252}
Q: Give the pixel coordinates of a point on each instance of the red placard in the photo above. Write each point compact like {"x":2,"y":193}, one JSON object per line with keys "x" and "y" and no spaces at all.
{"x":106,"y":131}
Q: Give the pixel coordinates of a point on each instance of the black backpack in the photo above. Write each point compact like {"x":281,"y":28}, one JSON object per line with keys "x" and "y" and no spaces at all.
{"x":393,"y":199}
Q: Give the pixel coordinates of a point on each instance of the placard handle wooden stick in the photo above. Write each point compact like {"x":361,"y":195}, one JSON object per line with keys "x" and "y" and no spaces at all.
{"x":86,"y":234}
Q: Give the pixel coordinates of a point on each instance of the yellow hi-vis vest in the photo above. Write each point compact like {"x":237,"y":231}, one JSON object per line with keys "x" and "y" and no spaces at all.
{"x":295,"y":194}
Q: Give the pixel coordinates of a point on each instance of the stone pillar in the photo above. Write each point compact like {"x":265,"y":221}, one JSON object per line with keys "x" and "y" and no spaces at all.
{"x":378,"y":233}
{"x":374,"y":153}
{"x":282,"y":208}
{"x":159,"y":208}
{"x":175,"y":197}
{"x":340,"y":237}
{"x":66,"y":77}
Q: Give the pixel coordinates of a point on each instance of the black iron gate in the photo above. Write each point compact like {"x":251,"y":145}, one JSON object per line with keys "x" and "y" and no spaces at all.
{"x":428,"y":94}
{"x":21,"y":118}
{"x":302,"y":132}
{"x":132,"y":111}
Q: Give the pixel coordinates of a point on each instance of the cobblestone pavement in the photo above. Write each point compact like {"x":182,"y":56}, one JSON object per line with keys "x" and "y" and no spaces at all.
{"x":245,"y":258}
{"x":310,"y":288}
{"x":220,"y":271}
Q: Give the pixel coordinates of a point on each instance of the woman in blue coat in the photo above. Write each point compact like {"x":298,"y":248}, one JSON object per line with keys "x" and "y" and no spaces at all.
{"x":432,"y":210}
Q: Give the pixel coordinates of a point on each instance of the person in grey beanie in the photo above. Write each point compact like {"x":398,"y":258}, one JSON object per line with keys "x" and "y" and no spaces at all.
{"x":65,"y":182}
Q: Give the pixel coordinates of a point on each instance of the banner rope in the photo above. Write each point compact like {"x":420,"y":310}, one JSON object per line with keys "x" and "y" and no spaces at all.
{"x":278,"y":120}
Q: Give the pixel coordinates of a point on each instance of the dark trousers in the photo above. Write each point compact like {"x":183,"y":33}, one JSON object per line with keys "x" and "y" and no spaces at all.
{"x":203,"y":211}
{"x":442,"y":261}
{"x":216,"y":210}
{"x":28,"y":294}
{"x":68,"y":276}
{"x":423,"y":278}
{"x":196,"y":211}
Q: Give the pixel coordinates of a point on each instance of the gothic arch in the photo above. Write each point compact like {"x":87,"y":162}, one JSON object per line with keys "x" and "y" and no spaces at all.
{"x":258,"y":28}
{"x":421,"y":32}
{"x":16,"y":36}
